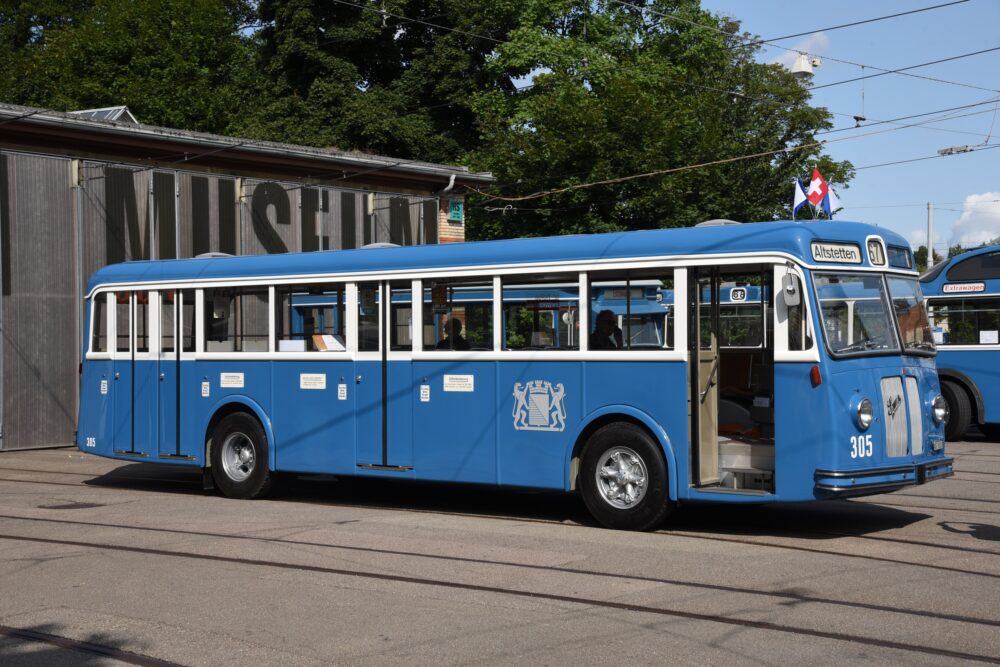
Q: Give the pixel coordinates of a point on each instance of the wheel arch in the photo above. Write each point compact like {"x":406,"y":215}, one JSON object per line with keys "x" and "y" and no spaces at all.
{"x":621,"y":413}
{"x":230,"y":405}
{"x":969,"y":386}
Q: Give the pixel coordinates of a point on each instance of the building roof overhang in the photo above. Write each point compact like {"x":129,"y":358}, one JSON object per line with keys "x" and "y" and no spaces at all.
{"x":65,"y":133}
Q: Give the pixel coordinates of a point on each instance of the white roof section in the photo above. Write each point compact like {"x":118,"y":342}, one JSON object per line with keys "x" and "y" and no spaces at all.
{"x":119,"y":113}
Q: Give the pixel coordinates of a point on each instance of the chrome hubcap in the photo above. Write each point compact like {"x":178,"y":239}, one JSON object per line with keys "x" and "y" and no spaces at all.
{"x":621,"y":478}
{"x":238,"y":457}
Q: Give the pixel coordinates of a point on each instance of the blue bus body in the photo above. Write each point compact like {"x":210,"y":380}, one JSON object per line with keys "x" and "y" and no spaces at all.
{"x":751,"y":405}
{"x":963,"y":298}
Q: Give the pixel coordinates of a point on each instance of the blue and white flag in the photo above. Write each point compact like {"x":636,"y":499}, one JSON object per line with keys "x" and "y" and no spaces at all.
{"x":800,"y":197}
{"x":830,"y":203}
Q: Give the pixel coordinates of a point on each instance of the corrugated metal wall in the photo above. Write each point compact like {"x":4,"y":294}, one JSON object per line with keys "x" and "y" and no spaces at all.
{"x":39,"y":302}
{"x":53,"y":237}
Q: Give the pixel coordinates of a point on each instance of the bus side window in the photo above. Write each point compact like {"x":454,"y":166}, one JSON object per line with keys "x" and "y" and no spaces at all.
{"x":973,"y":321}
{"x":542,"y":313}
{"x":631,"y":311}
{"x":219,"y":321}
{"x":310,"y":318}
{"x":99,"y":323}
{"x":458,"y":315}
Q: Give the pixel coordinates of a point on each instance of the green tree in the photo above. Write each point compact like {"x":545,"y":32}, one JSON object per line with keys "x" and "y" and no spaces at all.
{"x":179,"y":64}
{"x":356,"y":76}
{"x":920,"y":257}
{"x":619,"y":91}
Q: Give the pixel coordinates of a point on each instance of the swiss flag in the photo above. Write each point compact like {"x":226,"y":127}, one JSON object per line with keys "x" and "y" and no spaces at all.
{"x":817,"y":188}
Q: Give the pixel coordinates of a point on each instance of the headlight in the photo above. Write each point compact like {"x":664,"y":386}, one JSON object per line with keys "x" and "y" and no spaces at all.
{"x":939,"y":407}
{"x":865,"y":414}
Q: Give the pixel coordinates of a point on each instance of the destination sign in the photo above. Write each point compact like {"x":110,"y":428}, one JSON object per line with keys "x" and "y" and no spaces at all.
{"x":843,"y":253}
{"x":954,"y":288}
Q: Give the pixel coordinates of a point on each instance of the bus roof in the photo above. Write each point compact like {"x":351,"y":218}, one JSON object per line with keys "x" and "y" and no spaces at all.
{"x":973,"y":271}
{"x":792,"y":238}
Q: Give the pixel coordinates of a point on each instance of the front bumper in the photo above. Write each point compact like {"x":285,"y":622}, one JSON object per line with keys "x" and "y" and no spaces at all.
{"x":846,"y":483}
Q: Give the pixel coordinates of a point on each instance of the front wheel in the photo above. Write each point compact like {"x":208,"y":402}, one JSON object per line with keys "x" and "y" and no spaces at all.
{"x":959,"y":411}
{"x":239,"y":457}
{"x":623,"y":478}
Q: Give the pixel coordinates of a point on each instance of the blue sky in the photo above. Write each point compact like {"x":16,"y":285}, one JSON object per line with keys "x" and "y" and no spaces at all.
{"x":964,"y":188}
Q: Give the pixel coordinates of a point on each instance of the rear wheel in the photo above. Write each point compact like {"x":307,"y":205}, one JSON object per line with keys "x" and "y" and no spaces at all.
{"x":239,"y":457}
{"x":623,"y":478}
{"x":959,"y":411}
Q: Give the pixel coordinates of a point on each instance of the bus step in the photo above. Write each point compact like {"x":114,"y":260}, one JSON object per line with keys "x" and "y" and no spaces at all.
{"x":375,"y":466}
{"x":177,"y":457}
{"x":143,"y":455}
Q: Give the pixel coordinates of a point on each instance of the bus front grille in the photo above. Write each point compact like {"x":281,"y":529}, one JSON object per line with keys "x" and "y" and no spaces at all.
{"x":916,"y":422}
{"x":894,"y":414}
{"x":901,"y":412}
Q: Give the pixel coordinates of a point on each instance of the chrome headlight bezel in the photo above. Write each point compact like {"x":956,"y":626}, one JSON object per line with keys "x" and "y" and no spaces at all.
{"x":939,"y":409}
{"x":864,"y":414}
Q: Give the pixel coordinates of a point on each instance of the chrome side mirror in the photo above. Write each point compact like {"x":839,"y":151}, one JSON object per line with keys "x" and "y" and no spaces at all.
{"x":790,"y":292}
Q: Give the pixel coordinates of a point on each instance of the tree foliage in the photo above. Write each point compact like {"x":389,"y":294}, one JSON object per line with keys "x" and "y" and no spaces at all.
{"x":178,"y":64}
{"x":634,"y":115}
{"x":618,"y":92}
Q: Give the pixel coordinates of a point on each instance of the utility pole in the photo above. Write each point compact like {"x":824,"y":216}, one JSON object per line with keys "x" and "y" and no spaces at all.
{"x":930,"y":235}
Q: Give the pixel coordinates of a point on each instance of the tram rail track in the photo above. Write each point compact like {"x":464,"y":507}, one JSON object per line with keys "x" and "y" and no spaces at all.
{"x":661,"y":611}
{"x":738,"y":538}
{"x":784,"y":595}
{"x":88,"y":648}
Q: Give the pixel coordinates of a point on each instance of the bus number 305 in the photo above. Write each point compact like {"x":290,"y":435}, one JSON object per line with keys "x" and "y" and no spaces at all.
{"x":861,"y":446}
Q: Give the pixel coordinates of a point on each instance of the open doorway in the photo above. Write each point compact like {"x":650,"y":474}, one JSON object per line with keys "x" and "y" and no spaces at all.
{"x":732,"y":378}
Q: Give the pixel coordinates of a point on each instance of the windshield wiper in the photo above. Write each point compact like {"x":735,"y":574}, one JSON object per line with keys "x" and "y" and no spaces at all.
{"x":863,"y":344}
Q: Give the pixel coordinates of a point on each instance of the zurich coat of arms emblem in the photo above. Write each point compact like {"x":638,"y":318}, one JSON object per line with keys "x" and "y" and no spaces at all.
{"x":538,"y":406}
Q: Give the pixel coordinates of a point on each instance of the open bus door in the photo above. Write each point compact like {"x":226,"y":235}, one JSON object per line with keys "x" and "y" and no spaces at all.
{"x":704,"y":341}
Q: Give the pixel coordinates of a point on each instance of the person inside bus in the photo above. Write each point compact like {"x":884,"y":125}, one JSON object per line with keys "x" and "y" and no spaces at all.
{"x":452,"y":327}
{"x":606,"y":335}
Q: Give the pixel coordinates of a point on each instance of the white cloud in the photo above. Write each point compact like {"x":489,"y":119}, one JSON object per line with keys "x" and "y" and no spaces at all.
{"x":816,"y":44}
{"x":979,"y":222}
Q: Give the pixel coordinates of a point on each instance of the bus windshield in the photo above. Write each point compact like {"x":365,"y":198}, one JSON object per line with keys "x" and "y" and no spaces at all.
{"x":855,"y":313}
{"x":911,"y":315}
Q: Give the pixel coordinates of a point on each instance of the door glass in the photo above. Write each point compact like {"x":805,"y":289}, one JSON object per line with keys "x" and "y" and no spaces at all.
{"x":123,"y":314}
{"x":368,"y":317}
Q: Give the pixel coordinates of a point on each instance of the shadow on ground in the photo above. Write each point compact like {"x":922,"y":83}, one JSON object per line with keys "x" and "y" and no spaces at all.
{"x":817,"y":520}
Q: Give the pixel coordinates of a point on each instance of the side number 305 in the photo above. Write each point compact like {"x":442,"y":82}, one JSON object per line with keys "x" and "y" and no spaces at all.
{"x":861,"y":446}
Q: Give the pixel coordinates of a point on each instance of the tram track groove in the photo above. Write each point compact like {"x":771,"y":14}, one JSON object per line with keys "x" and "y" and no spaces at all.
{"x":89,"y":648}
{"x":680,"y":533}
{"x":798,"y":597}
{"x":534,"y":595}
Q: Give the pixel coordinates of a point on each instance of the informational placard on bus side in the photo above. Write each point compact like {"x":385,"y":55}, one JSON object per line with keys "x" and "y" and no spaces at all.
{"x":312,"y":380}
{"x":459,"y":382}
{"x":231,"y":380}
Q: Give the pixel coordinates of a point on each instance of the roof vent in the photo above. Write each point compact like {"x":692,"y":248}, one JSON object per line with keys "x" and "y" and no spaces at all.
{"x":717,"y":222}
{"x":380,"y":245}
{"x":213,"y":255}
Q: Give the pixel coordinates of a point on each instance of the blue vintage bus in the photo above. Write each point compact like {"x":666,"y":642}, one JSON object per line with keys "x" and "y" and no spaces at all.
{"x":766,"y":362}
{"x":963,"y":300}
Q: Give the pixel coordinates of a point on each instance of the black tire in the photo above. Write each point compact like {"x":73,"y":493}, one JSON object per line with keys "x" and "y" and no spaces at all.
{"x":959,"y":411}
{"x":636,"y":456}
{"x":239,"y":457}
